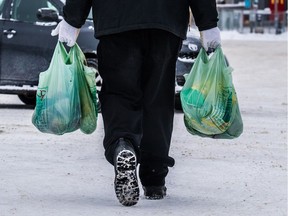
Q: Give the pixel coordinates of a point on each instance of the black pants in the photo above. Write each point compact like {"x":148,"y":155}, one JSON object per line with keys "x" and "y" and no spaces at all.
{"x":137,"y":95}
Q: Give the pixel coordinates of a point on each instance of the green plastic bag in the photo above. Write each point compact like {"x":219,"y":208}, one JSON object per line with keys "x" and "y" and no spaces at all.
{"x":88,"y":94}
{"x":66,"y":99}
{"x":58,"y":108}
{"x":209,"y":99}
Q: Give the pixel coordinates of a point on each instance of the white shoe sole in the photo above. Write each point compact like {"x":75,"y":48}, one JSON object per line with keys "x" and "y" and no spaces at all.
{"x":126,"y":183}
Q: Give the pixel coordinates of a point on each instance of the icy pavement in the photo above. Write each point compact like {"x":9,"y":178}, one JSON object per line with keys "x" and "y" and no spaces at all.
{"x":48,"y":175}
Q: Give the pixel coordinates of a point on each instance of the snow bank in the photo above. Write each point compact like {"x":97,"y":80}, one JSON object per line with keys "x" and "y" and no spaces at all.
{"x":235,"y":35}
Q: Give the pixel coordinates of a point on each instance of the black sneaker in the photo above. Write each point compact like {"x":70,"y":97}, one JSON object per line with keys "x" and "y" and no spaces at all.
{"x":154,"y":192}
{"x":126,"y":183}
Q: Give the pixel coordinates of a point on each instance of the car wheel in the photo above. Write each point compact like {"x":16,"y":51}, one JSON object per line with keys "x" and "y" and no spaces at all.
{"x":93,"y":62}
{"x":177,"y":104}
{"x":28,"y":98}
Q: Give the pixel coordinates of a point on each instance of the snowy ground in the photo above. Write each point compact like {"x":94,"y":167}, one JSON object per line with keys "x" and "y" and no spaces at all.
{"x":48,"y":175}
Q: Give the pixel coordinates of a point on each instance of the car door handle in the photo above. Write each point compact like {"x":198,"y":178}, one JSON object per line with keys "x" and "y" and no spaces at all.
{"x":10,"y":31}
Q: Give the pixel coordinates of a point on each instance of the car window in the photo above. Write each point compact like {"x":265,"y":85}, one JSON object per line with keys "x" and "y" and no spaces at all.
{"x":1,"y":8}
{"x":52,"y":6}
{"x":24,"y":10}
{"x":90,"y":15}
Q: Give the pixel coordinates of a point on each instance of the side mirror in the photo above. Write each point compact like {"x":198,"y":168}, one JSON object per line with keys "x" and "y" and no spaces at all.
{"x":47,"y":15}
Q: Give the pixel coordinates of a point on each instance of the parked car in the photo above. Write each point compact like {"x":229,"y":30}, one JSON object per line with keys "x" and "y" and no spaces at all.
{"x":186,"y":58}
{"x":187,"y":55}
{"x":26,"y":45}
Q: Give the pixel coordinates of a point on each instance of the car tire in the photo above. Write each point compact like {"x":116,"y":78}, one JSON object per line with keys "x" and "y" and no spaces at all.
{"x":177,"y":104}
{"x":28,"y":98}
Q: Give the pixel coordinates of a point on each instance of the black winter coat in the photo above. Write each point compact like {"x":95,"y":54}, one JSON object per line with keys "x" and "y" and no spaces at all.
{"x":115,"y":16}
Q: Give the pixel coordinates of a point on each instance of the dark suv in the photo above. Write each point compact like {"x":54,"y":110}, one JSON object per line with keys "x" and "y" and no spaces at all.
{"x":26,"y":45}
{"x":186,"y":58}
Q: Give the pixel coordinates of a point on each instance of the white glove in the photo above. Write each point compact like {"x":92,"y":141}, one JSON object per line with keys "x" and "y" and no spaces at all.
{"x":66,"y":33}
{"x":210,"y":38}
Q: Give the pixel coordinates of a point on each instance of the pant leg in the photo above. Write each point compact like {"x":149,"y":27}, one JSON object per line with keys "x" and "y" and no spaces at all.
{"x":158,"y":102}
{"x":120,"y":65}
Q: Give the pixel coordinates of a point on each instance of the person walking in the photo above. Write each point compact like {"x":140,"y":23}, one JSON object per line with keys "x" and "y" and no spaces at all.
{"x":137,"y":52}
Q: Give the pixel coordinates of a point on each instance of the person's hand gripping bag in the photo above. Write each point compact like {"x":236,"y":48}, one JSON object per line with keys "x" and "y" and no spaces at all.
{"x":58,"y":107}
{"x":209,"y":99}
